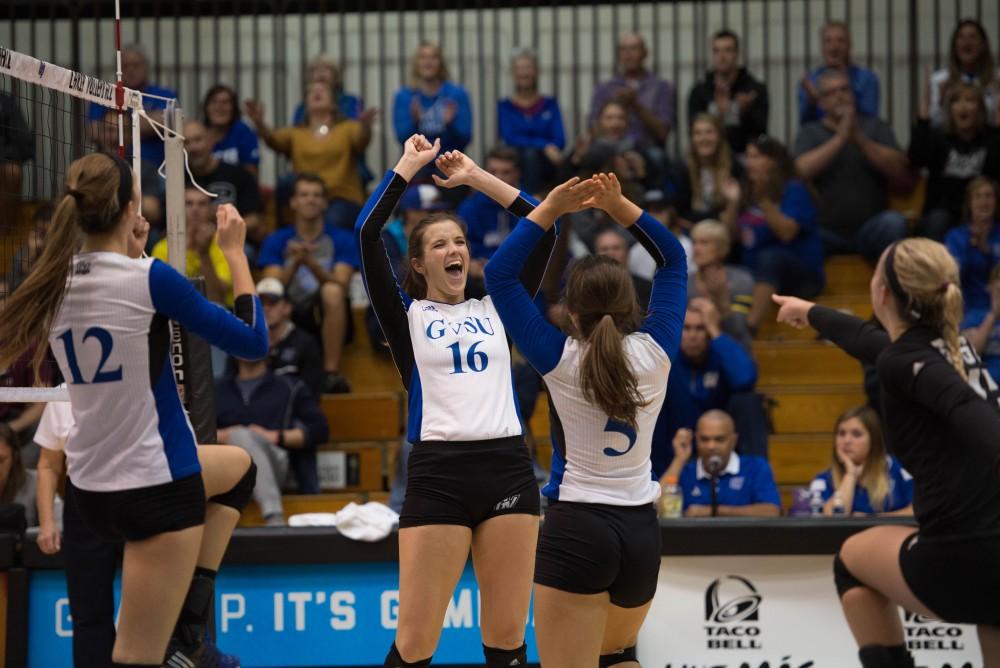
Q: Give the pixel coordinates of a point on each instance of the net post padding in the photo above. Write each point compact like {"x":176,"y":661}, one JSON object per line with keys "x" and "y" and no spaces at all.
{"x":191,"y":357}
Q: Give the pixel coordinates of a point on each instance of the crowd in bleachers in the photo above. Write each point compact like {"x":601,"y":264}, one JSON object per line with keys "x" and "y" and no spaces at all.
{"x":756,"y":217}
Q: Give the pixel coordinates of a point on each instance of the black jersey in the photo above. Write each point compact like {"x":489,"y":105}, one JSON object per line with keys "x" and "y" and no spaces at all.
{"x":944,"y":429}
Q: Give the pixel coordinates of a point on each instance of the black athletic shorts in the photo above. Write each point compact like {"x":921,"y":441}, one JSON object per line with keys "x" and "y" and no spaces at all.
{"x":589,"y":548}
{"x":468,"y":482}
{"x":137,"y":514}
{"x":957,"y":578}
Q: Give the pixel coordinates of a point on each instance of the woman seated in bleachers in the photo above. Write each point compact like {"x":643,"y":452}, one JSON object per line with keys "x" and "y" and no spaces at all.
{"x":964,"y":148}
{"x":728,"y":287}
{"x":710,"y":164}
{"x":970,"y":61}
{"x":975,"y":245}
{"x":774,"y":217}
{"x":607,"y":147}
{"x":233,"y":141}
{"x":863,"y":479}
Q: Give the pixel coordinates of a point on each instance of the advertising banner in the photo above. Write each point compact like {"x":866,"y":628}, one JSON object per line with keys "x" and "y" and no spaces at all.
{"x":772,"y":612}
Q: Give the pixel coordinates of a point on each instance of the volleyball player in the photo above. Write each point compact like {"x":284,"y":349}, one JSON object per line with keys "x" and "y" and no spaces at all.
{"x":135,"y":470}
{"x":942,"y":421}
{"x":599,"y":553}
{"x":470,"y":478}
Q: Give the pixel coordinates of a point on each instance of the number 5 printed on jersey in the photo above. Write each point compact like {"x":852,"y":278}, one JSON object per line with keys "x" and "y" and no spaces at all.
{"x":103,"y":337}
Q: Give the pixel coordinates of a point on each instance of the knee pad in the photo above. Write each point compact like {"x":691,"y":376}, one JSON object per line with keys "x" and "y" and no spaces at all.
{"x":613,"y":659}
{"x":394,"y":660}
{"x":842,"y":577}
{"x":239,"y":496}
{"x":501,"y":658}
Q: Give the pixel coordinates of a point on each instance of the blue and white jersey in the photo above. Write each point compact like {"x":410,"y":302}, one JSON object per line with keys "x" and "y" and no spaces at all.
{"x":453,"y":359}
{"x":596,"y":459}
{"x":111,"y":338}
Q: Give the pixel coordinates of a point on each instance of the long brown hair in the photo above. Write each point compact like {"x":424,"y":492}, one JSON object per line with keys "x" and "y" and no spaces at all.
{"x":414,"y":283}
{"x":601,"y":298}
{"x":721,"y":164}
{"x":927,"y":278}
{"x":953,"y":92}
{"x":985,"y":66}
{"x":17,"y":477}
{"x":90,"y":205}
{"x":783,"y":172}
{"x":875,"y":478}
{"x":974,"y":185}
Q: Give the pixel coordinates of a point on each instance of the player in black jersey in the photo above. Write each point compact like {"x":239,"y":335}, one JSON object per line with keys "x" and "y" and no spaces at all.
{"x":942,"y":420}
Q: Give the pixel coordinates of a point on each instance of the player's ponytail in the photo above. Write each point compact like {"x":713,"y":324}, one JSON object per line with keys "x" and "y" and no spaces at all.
{"x":93,"y":203}
{"x":923,"y":277}
{"x":602,"y":303}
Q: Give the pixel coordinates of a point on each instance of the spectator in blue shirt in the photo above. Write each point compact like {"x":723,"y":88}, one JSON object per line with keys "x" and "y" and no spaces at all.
{"x":863,"y":479}
{"x":836,"y":47}
{"x":976,"y":246}
{"x":135,"y":75}
{"x":531,"y":124}
{"x":279,"y":423}
{"x":775,"y":218}
{"x":314,"y":261}
{"x":985,"y":336}
{"x":744,"y":485}
{"x":432,"y":105}
{"x":233,"y":141}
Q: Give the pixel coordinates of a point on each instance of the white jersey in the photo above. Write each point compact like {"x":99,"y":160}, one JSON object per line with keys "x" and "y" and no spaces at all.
{"x":461,"y":387}
{"x":607,"y":461}
{"x":111,"y":338}
{"x":55,"y":425}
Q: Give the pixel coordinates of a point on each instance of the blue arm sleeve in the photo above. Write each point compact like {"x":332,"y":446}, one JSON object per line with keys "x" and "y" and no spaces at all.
{"x":541,"y":343}
{"x":402,"y":122}
{"x":739,"y":368}
{"x":668,"y":301}
{"x":765,"y":489}
{"x":174,"y":296}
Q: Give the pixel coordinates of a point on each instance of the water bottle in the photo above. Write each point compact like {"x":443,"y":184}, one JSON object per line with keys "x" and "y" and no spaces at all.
{"x":671,"y":502}
{"x":838,"y":506}
{"x":815,"y":503}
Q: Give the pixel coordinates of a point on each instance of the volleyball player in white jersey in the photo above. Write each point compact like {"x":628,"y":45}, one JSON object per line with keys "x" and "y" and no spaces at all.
{"x":131,"y":456}
{"x":470,"y":481}
{"x":599,"y":553}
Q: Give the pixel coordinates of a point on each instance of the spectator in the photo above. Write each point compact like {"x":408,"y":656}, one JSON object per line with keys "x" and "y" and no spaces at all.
{"x":279,"y":423}
{"x":656,"y":204}
{"x":647,"y":100}
{"x":204,"y":257}
{"x":233,"y":141}
{"x":710,"y":165}
{"x":852,"y":161}
{"x":728,"y":92}
{"x":964,"y":148}
{"x":230,"y":184}
{"x":836,"y":45}
{"x":531,"y":124}
{"x":17,"y":146}
{"x":325,"y":69}
{"x":984,"y":336}
{"x":292,"y":351}
{"x":744,"y":485}
{"x":488,"y":222}
{"x":971,"y":61}
{"x":328,"y":144}
{"x":25,"y":257}
{"x":104,"y":134}
{"x":775,"y":217}
{"x":135,"y":75}
{"x":609,"y":147}
{"x":610,"y":242}
{"x":728,"y":287}
{"x":863,"y":479}
{"x":976,"y":245}
{"x":314,"y":261}
{"x":432,"y":105}
{"x":17,"y":484}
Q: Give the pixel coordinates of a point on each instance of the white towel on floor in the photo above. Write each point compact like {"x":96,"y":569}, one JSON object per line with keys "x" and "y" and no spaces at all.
{"x":370,"y":522}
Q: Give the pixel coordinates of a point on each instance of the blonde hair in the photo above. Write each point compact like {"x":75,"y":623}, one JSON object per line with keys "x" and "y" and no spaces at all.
{"x":927,"y":276}
{"x":442,"y":70}
{"x":875,"y":479}
{"x":721,"y":163}
{"x":324,"y":62}
{"x":715,"y":232}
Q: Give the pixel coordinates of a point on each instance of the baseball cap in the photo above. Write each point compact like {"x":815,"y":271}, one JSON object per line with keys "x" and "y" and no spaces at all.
{"x":271,"y":287}
{"x":423,"y":197}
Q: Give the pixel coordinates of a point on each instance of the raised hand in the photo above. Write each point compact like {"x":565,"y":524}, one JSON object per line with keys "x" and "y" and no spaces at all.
{"x":232,"y":229}
{"x":607,"y":192}
{"x":731,"y":190}
{"x":571,"y":196}
{"x":457,"y":167}
{"x":683,"y":444}
{"x":138,"y":238}
{"x":368,"y":116}
{"x":255,"y":111}
{"x":417,"y":152}
{"x":709,"y":313}
{"x":793,"y":311}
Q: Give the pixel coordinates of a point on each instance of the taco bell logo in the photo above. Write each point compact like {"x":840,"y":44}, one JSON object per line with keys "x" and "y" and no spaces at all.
{"x":927,"y":634}
{"x":731,"y":612}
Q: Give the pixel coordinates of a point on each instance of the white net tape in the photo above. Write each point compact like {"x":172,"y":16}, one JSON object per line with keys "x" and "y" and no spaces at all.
{"x":27,"y":395}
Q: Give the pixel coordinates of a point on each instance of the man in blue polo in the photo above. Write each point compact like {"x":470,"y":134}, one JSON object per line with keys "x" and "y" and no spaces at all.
{"x":744,"y":485}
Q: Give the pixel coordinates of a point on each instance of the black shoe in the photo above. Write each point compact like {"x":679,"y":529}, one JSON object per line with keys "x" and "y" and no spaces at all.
{"x":335,"y":383}
{"x":204,"y":655}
